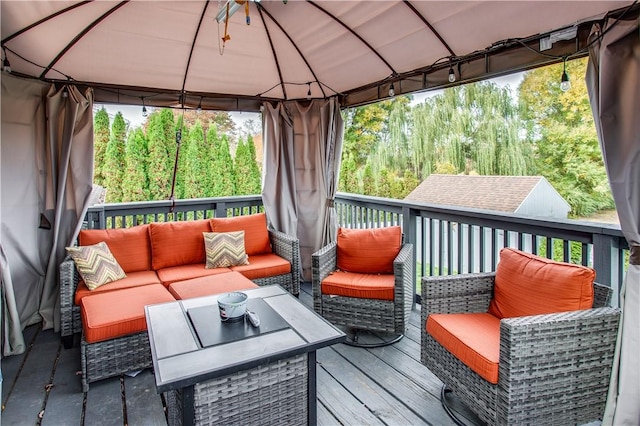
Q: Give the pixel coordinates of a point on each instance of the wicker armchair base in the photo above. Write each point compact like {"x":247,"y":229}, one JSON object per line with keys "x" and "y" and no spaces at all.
{"x":365,"y":314}
{"x":113,"y":357}
{"x":275,"y":393}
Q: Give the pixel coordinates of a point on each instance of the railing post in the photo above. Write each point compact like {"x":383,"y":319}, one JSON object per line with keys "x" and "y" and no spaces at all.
{"x":410,"y":236}
{"x":603,"y":258}
{"x":221,"y":210}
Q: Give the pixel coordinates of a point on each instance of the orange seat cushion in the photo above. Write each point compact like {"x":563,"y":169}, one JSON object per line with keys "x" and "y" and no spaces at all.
{"x":215,"y":284}
{"x":264,"y":266}
{"x":133,"y":279}
{"x":526,"y":284}
{"x":474,"y":339}
{"x":363,"y":286}
{"x":130,"y":246}
{"x":112,"y":314}
{"x":187,"y":272}
{"x":177,"y":243}
{"x":368,"y":251}
{"x":256,"y":234}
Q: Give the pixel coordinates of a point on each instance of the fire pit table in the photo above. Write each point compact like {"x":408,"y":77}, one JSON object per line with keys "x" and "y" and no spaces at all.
{"x":228,"y":373}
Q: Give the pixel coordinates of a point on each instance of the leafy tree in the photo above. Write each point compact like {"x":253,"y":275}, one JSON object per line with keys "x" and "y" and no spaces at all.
{"x":161,"y":143}
{"x":365,"y":127}
{"x":248,"y":178}
{"x":114,"y":160}
{"x":368,"y":181}
{"x":135,"y":186}
{"x":100,"y":140}
{"x":348,"y":175}
{"x":562,"y":128}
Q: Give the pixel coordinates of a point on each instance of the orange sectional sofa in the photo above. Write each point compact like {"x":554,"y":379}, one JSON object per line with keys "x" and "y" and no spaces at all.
{"x":169,"y":252}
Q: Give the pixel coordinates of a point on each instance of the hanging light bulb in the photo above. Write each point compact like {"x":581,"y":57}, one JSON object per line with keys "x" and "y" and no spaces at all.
{"x":6,"y":66}
{"x":199,"y":108}
{"x":565,"y":84}
{"x":392,"y":90}
{"x":309,"y":91}
{"x":452,"y":74}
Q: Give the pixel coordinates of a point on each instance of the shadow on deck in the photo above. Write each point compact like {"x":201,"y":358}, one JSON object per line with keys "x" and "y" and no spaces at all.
{"x":356,"y":386}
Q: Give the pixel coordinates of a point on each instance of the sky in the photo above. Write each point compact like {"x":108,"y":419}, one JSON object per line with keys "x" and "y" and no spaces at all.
{"x":133,"y":113}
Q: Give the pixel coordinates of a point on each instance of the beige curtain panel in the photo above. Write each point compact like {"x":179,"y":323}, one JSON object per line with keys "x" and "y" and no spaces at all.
{"x":302,"y":149}
{"x":613,"y":81}
{"x":46,"y":157}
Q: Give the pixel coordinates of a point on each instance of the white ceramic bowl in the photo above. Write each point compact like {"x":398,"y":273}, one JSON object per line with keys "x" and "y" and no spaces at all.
{"x":232,"y":306}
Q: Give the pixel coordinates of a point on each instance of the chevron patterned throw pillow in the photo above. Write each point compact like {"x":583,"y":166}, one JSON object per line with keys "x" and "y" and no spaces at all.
{"x":224,"y":249}
{"x":96,"y":265}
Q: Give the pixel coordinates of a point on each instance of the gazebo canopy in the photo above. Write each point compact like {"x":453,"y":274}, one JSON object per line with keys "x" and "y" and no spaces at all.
{"x":170,"y":53}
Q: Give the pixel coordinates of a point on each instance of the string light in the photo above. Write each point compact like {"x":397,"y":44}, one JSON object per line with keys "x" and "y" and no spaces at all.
{"x":452,"y":74}
{"x":199,"y":108}
{"x":392,"y":90}
{"x":6,"y":66}
{"x":144,"y":108}
{"x":565,"y":84}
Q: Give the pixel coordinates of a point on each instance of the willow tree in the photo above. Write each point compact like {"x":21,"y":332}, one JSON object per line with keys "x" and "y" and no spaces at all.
{"x":114,"y":162}
{"x":561,"y":126}
{"x":471,"y":128}
{"x":135,"y":185}
{"x":101,"y":135}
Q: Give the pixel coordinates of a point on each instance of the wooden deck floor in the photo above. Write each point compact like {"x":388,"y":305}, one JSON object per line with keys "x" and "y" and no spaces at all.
{"x":380,"y":386}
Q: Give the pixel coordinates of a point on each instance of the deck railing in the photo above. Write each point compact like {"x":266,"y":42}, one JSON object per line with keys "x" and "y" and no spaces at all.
{"x":447,"y":240}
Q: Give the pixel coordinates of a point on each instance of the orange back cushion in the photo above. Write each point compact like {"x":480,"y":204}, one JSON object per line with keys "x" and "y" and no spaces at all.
{"x":177,"y":243}
{"x":368,"y":251}
{"x":130,"y":246}
{"x":256,"y":235}
{"x":531,"y":285}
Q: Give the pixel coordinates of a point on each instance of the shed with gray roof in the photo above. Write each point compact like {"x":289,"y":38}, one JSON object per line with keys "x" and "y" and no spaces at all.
{"x":526,"y":195}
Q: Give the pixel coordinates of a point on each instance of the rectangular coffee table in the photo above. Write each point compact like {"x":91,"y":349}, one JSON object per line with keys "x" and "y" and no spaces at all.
{"x":265,"y":378}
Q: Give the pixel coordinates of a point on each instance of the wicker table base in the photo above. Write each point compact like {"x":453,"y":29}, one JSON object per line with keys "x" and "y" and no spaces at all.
{"x":275,"y":393}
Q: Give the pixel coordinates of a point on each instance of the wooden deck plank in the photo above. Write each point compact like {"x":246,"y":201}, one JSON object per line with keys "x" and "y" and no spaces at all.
{"x":65,"y":401}
{"x":104,"y":403}
{"x":144,"y":405}
{"x":11,"y":365}
{"x":416,"y":396}
{"x":325,"y":418}
{"x":342,"y":405}
{"x":27,"y":398}
{"x":384,"y":405}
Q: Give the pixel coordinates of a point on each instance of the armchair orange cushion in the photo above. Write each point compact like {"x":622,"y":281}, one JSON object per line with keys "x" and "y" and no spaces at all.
{"x":363,"y":286}
{"x":526,"y":284}
{"x":368,"y":251}
{"x":177,"y":243}
{"x":256,"y":234}
{"x":130,"y":246}
{"x":473,"y":338}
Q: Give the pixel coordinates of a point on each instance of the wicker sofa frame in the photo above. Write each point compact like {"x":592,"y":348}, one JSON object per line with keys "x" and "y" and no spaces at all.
{"x":365,"y":314}
{"x":282,"y":244}
{"x":553,"y":369}
{"x":113,"y":357}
